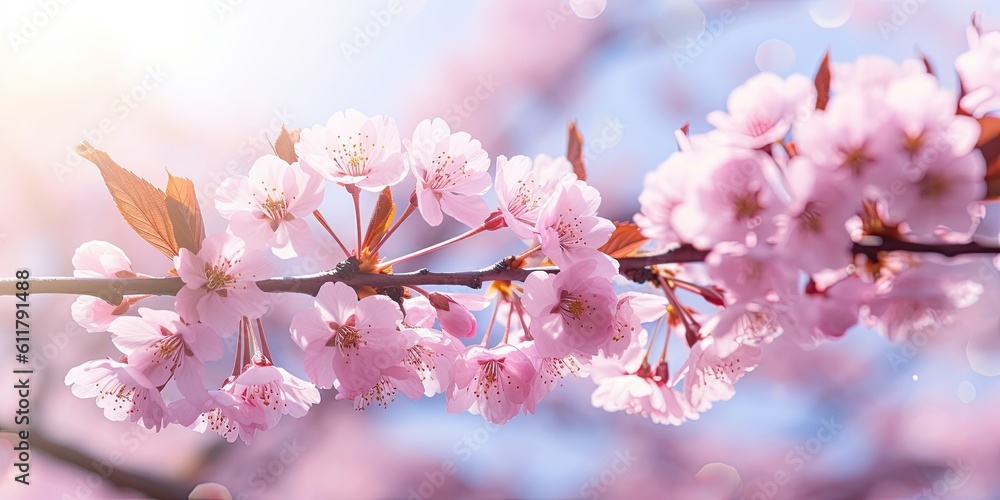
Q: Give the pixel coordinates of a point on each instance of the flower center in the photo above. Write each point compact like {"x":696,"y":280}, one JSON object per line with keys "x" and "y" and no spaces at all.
{"x":746,"y":205}
{"x":933,"y":186}
{"x":217,"y":278}
{"x":912,"y":144}
{"x":345,"y":336}
{"x":489,"y":373}
{"x":274,"y":209}
{"x":855,"y":159}
{"x":809,"y":219}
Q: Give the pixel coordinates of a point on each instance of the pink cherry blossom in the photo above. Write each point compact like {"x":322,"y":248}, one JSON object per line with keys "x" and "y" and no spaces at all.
{"x":626,"y":326}
{"x":919,"y":301}
{"x":980,"y":73}
{"x":220,"y":282}
{"x":752,"y":323}
{"x":727,"y":197}
{"x":550,"y":372}
{"x":667,"y":405}
{"x":99,"y":259}
{"x":762,"y":110}
{"x":353,"y":149}
{"x":255,"y":400}
{"x":121,"y":391}
{"x":451,"y":171}
{"x":349,"y":340}
{"x":942,"y":196}
{"x":269,"y":206}
{"x":431,"y":357}
{"x":871,"y":74}
{"x":751,"y":273}
{"x":493,"y":383}
{"x":616,"y":377}
{"x":568,"y":227}
{"x":223,"y":413}
{"x":629,"y":384}
{"x":573,"y":311}
{"x":709,"y":376}
{"x":161,"y":346}
{"x":932,"y":128}
{"x":812,"y":233}
{"x":391,"y":380}
{"x":664,"y":189}
{"x":857,"y":139}
{"x":454,"y":316}
{"x":523,"y":191}
{"x":826,"y":314}
{"x":268,"y":392}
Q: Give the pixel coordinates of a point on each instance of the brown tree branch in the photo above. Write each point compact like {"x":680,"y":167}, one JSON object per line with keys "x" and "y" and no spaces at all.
{"x":112,"y":289}
{"x":150,"y":486}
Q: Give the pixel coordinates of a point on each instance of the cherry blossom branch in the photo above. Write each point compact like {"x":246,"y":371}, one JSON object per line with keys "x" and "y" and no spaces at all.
{"x":637,"y":268}
{"x":146,"y":485}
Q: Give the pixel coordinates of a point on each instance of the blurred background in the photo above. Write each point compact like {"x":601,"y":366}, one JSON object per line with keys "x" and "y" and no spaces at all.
{"x":199,"y":87}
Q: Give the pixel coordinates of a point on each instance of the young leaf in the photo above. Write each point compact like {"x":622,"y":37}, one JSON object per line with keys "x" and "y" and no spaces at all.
{"x":284,"y":145}
{"x":823,"y":82}
{"x":142,"y":206}
{"x":625,"y":241}
{"x":185,"y":214}
{"x":574,"y":151}
{"x":381,"y":219}
{"x":989,"y":146}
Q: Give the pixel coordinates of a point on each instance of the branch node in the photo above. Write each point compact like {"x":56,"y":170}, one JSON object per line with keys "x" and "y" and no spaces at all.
{"x":348,"y":268}
{"x":639,"y":275}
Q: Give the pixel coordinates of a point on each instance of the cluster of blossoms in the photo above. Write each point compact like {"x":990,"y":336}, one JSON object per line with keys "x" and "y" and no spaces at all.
{"x":790,"y":178}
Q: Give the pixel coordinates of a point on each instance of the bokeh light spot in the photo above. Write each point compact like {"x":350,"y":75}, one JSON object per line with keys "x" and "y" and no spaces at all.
{"x":983,"y":353}
{"x":966,"y":391}
{"x":776,"y":56}
{"x":588,"y":9}
{"x":827,"y":14}
{"x":681,"y":22}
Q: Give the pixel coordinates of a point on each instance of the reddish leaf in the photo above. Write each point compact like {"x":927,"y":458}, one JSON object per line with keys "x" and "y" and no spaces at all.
{"x":625,"y":241}
{"x":574,"y":151}
{"x":927,"y":63}
{"x":989,"y":145}
{"x":381,"y":219}
{"x":284,"y":145}
{"x":143,"y":206}
{"x":185,"y":214}
{"x":823,"y":82}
